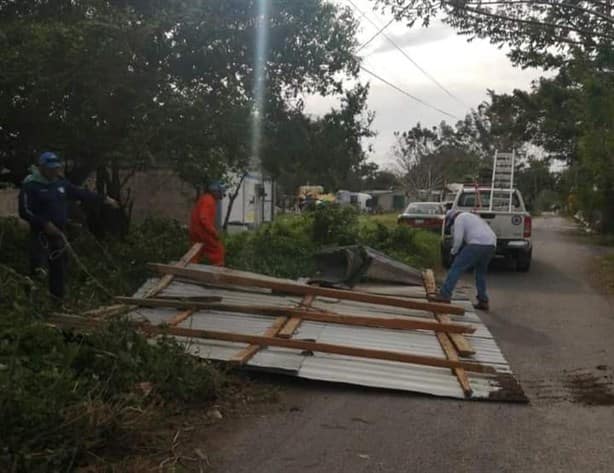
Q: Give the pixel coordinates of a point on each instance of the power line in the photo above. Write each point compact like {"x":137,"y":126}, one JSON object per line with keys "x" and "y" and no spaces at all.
{"x":403,"y":52}
{"x":379,"y":32}
{"x":404,"y":92}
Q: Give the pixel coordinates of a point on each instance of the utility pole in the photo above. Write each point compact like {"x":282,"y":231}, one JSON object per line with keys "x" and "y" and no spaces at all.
{"x":262,"y":40}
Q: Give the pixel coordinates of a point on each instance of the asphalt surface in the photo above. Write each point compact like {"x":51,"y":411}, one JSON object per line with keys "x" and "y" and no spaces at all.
{"x":557,"y":332}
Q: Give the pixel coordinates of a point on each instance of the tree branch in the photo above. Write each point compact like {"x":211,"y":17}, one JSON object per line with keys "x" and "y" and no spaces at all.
{"x":485,"y":13}
{"x":607,"y":18}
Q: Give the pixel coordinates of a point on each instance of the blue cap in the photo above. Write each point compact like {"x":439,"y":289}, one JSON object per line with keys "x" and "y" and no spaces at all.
{"x":49,"y":160}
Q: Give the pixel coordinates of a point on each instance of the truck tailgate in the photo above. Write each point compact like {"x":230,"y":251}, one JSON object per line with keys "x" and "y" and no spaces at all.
{"x":505,"y":225}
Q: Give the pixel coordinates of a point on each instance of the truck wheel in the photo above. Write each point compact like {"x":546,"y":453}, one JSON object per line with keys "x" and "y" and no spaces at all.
{"x":523,"y":262}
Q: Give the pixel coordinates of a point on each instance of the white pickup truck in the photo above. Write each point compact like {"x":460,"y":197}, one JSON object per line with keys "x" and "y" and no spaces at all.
{"x":513,"y":228}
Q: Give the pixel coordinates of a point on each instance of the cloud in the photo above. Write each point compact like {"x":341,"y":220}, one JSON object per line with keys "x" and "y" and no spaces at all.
{"x":465,"y":69}
{"x":415,"y":37}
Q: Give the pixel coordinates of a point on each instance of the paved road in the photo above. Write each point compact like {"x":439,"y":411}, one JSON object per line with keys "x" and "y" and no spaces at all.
{"x":557,"y":332}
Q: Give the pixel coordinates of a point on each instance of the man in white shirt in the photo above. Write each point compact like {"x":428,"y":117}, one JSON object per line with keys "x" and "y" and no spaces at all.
{"x":474,"y":246}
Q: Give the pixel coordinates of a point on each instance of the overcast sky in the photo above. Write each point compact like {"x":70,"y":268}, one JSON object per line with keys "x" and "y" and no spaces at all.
{"x":465,"y":69}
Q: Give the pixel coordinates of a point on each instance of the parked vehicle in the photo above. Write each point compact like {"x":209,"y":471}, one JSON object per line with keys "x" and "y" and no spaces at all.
{"x":426,"y":215}
{"x":512,"y":224}
{"x":359,"y":200}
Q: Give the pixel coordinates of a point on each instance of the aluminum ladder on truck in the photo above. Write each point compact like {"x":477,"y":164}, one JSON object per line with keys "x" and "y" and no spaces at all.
{"x":502,"y":186}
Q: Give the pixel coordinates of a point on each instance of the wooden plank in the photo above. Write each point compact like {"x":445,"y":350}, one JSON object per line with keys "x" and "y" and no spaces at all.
{"x":462,"y":345}
{"x":308,"y":300}
{"x":445,"y":339}
{"x":430,"y":284}
{"x":451,"y":354}
{"x":168,"y":278}
{"x":226,"y":276}
{"x":288,"y":330}
{"x":202,"y":299}
{"x":105,"y":310}
{"x":405,"y":323}
{"x":290,"y":327}
{"x":304,"y":345}
{"x":180,"y":317}
{"x":247,"y":353}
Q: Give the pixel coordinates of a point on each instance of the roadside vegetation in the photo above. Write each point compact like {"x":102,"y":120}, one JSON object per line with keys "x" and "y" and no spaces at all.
{"x":70,"y":400}
{"x":286,"y":247}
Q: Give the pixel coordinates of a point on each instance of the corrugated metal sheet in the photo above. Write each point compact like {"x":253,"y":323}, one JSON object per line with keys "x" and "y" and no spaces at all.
{"x":338,"y":368}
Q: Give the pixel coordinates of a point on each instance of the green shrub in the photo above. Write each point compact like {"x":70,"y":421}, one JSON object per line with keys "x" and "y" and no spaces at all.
{"x":63,"y":395}
{"x":282,"y":248}
{"x":334,"y":225}
{"x":411,"y":246}
{"x":285,"y":247}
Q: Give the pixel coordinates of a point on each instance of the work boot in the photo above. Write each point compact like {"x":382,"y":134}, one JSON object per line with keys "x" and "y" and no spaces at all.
{"x":481,"y":305}
{"x":439,"y":298}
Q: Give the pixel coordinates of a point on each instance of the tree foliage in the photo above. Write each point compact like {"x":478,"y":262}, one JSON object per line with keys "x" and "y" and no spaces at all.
{"x":430,"y":158}
{"x":123,"y":84}
{"x":568,"y":114}
{"x":539,"y":32}
{"x":325,"y":151}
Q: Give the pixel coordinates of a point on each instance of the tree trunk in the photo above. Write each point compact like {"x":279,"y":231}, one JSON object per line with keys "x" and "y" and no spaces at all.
{"x":231,"y":201}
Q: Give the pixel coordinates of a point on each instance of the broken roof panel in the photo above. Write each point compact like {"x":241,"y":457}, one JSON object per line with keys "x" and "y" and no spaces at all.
{"x":333,"y":367}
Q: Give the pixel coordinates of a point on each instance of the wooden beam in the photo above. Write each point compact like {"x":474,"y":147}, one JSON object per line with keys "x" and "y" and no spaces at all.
{"x":168,"y":278}
{"x":247,"y":353}
{"x":227,"y":276}
{"x":445,"y":339}
{"x":304,"y":345}
{"x":290,"y":327}
{"x":308,"y":300}
{"x":180,"y":317}
{"x":405,"y":323}
{"x":430,"y":285}
{"x":107,"y":311}
{"x":165,"y":281}
{"x":451,"y":354}
{"x":462,"y":345}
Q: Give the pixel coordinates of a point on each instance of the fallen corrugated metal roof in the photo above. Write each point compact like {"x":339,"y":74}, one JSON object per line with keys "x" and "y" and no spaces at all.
{"x":350,"y":264}
{"x":333,"y":367}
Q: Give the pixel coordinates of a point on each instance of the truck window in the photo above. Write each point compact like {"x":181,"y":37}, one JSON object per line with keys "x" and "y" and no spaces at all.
{"x":468,"y":199}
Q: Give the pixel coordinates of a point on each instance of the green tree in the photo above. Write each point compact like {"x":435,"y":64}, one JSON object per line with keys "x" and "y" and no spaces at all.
{"x":570,"y":114}
{"x":538,"y":32}
{"x":120,"y":85}
{"x":430,"y":158}
{"x":324,"y":151}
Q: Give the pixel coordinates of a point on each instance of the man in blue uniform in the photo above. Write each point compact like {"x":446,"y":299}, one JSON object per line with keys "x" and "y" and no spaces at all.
{"x":43,"y":203}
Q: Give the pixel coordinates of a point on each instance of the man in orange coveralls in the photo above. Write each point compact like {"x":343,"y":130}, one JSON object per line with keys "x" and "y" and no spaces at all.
{"x":203,"y":225}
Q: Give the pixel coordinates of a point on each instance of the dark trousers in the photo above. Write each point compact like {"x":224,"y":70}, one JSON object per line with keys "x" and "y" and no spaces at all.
{"x":49,"y":252}
{"x":471,"y":256}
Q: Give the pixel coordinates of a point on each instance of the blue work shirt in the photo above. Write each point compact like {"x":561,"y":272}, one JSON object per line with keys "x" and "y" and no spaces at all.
{"x":42,"y":201}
